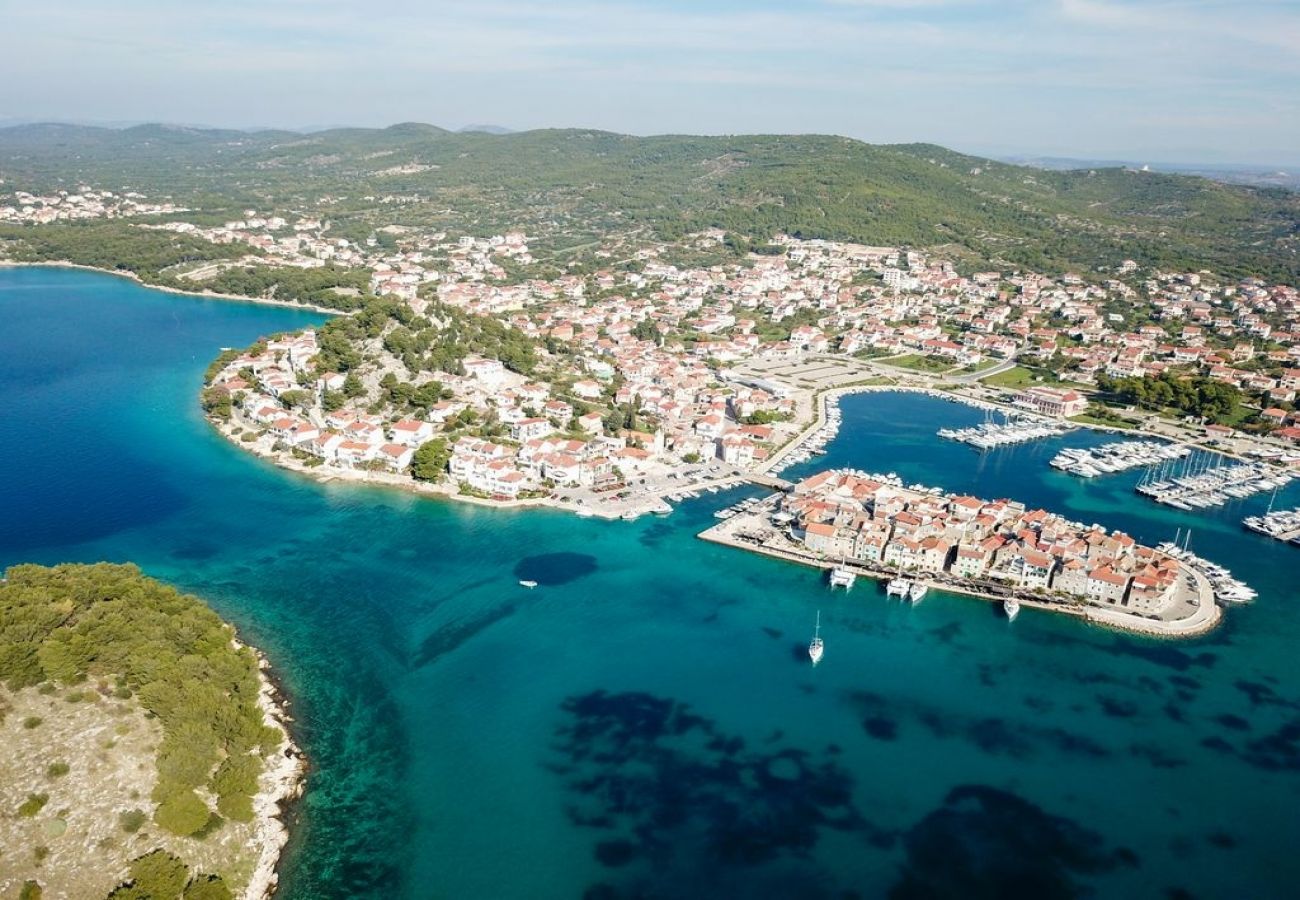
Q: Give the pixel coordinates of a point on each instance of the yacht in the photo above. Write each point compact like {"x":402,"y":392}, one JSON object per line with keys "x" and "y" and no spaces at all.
{"x":897,"y":587}
{"x":842,"y":576}
{"x":916,"y":591}
{"x":1011,"y":606}
{"x":528,"y":583}
{"x":816,"y":648}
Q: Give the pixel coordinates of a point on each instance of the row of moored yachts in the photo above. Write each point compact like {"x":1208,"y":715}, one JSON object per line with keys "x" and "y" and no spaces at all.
{"x":1227,"y":589}
{"x":989,"y":435}
{"x":737,"y":508}
{"x":912,"y":591}
{"x":1205,"y":483}
{"x":1117,"y":457}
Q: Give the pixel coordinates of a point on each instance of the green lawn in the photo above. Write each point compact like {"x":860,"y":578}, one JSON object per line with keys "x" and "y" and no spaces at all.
{"x":1018,"y":377}
{"x":920,"y":363}
{"x":1024,"y":376}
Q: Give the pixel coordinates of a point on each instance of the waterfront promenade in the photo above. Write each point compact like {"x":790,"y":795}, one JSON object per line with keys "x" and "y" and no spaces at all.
{"x":1191,"y":612}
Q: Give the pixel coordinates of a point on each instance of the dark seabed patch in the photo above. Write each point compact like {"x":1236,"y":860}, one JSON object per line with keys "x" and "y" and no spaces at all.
{"x":1221,"y":839}
{"x":946,"y":634}
{"x":656,"y":534}
{"x":555,"y":568}
{"x":1157,"y":756}
{"x":1117,"y":708}
{"x":992,"y":734}
{"x":1260,"y":694}
{"x":449,"y":637}
{"x":703,"y":809}
{"x":1233,"y":722}
{"x":1276,"y":751}
{"x":880,"y":728}
{"x":988,"y":843}
{"x":1169,"y":657}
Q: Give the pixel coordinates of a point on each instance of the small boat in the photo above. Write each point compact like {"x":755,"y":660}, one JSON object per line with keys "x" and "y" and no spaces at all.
{"x":897,"y":587}
{"x":816,"y":648}
{"x":1011,"y":606}
{"x":527,"y":583}
{"x":916,"y":591}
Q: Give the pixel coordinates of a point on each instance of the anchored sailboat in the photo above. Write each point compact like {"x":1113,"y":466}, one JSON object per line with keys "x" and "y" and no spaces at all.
{"x":815,"y":649}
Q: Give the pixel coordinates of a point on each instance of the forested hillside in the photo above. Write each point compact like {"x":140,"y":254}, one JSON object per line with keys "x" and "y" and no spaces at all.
{"x":579,"y":184}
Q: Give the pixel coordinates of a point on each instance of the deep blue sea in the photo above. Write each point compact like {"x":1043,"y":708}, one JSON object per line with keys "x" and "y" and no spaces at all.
{"x":645,"y":722}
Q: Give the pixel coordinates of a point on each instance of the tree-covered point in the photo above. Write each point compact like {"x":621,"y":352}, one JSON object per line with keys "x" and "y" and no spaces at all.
{"x":115,"y":246}
{"x":71,"y":623}
{"x":333,"y":287}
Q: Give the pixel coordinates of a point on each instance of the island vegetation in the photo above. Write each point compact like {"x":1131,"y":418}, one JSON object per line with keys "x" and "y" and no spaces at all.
{"x":157,"y":674}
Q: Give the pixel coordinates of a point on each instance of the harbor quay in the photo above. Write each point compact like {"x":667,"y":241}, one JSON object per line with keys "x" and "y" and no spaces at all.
{"x":914,"y":538}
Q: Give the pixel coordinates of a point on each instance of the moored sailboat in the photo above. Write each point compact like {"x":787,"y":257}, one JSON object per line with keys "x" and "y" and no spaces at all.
{"x":816,"y":648}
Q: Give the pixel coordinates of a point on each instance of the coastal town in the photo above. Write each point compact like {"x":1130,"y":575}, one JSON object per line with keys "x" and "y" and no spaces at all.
{"x":467,"y":368}
{"x":650,"y":380}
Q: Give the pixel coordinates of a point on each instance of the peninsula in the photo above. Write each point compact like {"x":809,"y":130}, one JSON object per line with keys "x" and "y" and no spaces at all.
{"x":919,"y":537}
{"x":146,"y":749}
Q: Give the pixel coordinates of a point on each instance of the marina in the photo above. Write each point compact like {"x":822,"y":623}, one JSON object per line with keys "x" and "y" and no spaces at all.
{"x":1203,"y":480}
{"x":814,"y":443}
{"x":1119,"y":456}
{"x":1014,"y":429}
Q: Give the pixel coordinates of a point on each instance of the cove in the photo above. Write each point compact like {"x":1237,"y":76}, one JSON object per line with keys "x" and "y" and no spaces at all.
{"x":644,"y":722}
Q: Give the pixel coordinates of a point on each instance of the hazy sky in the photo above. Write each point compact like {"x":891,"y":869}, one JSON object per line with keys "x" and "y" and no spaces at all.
{"x":1165,"y":80}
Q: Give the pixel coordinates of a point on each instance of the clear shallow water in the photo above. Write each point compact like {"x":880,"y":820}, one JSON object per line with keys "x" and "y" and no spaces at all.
{"x":645,"y":721}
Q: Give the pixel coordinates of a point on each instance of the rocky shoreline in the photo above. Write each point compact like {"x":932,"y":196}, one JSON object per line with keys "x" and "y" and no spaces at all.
{"x":281,"y":783}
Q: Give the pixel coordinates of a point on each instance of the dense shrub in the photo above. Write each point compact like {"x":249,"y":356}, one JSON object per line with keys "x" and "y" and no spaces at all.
{"x":32,"y":805}
{"x":132,"y":820}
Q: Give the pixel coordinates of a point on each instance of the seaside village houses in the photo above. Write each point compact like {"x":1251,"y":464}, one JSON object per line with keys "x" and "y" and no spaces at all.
{"x":690,"y":403}
{"x":840,"y":515}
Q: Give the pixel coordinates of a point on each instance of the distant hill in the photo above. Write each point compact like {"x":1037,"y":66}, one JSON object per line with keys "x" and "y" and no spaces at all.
{"x":585,"y":182}
{"x":1259,"y":176}
{"x":486,"y":129}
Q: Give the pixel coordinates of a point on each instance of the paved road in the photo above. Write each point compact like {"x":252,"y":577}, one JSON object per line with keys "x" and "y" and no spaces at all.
{"x":1005,"y":366}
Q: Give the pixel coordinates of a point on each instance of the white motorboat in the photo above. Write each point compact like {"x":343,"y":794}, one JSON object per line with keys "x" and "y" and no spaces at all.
{"x":528,"y":583}
{"x":916,"y":591}
{"x":1011,"y":606}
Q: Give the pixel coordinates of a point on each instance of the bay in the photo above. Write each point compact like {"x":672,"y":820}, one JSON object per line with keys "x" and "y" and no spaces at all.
{"x":644,"y":722}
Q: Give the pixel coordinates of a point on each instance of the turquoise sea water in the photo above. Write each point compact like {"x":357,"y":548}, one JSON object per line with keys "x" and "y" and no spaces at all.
{"x":645,"y":722}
